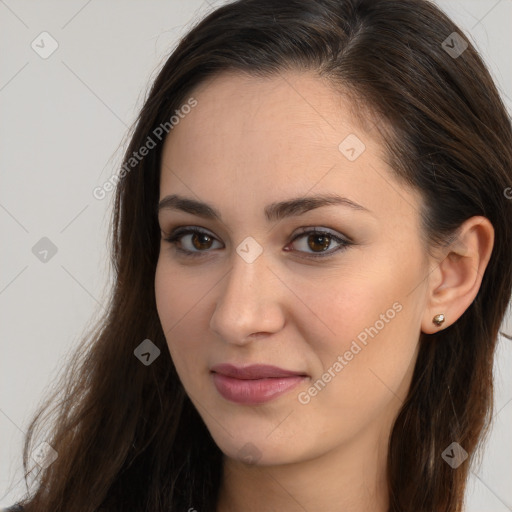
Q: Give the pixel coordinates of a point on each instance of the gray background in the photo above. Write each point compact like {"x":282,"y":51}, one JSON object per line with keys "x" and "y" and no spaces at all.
{"x":63,"y":120}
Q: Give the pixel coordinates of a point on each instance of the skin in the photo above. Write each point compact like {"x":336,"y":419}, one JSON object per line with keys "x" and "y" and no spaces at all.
{"x":250,"y":142}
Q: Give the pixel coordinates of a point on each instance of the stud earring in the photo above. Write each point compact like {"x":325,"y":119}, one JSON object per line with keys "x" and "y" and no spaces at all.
{"x":438,"y":319}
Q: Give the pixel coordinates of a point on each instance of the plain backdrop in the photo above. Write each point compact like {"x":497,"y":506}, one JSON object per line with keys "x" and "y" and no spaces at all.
{"x":63,"y":120}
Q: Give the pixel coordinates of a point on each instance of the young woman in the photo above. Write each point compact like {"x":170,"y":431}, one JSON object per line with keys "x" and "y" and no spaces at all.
{"x":311,"y":239}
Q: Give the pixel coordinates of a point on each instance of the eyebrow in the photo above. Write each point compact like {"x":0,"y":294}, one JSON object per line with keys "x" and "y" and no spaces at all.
{"x":273,"y":212}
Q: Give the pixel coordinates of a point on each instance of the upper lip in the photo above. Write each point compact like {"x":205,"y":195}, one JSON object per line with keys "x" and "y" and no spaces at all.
{"x":255,"y":371}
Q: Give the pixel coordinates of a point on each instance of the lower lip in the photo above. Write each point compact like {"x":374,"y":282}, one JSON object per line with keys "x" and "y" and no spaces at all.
{"x":257,"y":391}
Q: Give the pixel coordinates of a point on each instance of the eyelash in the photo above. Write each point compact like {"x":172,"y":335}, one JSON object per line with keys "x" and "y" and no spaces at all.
{"x":174,"y":237}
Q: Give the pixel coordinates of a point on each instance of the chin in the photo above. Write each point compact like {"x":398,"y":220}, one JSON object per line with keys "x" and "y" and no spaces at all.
{"x":255,"y":447}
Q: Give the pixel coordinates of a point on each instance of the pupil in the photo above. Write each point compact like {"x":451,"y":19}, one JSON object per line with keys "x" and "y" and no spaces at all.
{"x":320,"y":237}
{"x":196,"y":237}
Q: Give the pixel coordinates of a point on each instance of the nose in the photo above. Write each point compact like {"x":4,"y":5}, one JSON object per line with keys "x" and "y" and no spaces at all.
{"x":250,"y":302}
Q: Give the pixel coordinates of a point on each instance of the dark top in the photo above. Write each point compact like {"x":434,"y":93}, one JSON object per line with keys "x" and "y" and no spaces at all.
{"x":14,"y":508}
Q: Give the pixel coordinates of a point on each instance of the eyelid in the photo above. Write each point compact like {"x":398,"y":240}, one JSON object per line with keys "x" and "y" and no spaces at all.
{"x":322,"y":230}
{"x":343,"y":240}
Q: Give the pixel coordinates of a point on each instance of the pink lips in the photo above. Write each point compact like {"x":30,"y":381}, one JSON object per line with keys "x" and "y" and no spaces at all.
{"x":253,"y":384}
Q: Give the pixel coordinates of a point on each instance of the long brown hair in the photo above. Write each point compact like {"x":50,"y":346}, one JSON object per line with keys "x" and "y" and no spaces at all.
{"x":126,"y":434}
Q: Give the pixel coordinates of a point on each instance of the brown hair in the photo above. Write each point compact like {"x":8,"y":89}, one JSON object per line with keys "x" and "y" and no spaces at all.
{"x":126,"y":434}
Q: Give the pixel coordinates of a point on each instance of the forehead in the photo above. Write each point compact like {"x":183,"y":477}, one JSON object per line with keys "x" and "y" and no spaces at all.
{"x":281,"y":108}
{"x":274,"y":137}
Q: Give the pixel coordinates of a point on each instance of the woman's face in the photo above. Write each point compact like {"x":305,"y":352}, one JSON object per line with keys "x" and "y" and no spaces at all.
{"x":256,"y":290}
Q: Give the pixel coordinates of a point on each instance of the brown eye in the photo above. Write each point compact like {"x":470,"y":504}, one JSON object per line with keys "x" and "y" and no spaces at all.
{"x":199,"y":241}
{"x":319,"y":241}
{"x":316,"y":246}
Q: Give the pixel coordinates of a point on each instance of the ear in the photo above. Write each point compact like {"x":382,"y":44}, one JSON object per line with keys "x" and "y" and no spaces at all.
{"x":458,"y":272}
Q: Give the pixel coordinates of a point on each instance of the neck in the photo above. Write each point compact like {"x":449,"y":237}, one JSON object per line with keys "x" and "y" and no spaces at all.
{"x":349,"y":477}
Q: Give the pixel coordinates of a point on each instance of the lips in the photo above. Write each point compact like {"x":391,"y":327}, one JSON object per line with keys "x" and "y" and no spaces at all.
{"x":254,"y":384}
{"x":256,"y":371}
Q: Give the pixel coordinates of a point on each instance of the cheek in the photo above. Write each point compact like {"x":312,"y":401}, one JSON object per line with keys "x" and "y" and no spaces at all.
{"x":177,"y":296}
{"x":365,"y":361}
{"x":172,"y":308}
{"x":180,"y":308}
{"x":165,"y":303}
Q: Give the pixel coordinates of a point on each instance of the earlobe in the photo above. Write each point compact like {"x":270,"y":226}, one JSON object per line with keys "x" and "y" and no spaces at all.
{"x":455,"y":282}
